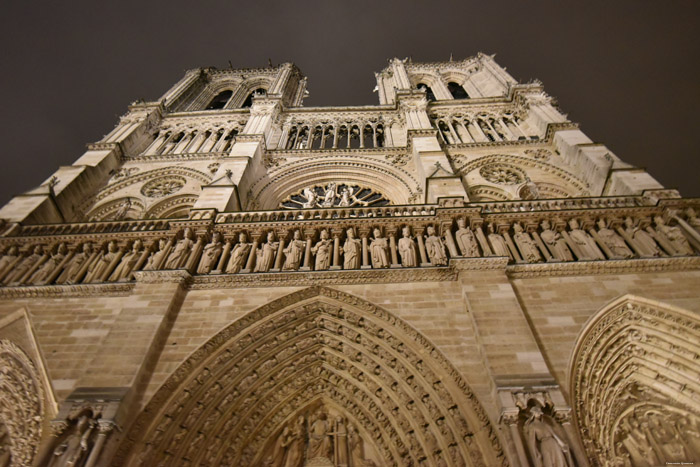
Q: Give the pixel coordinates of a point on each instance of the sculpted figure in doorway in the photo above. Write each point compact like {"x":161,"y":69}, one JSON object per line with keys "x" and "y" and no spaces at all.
{"x":586,"y":245}
{"x":546,"y":447}
{"x":157,"y":256}
{"x":323,"y":251}
{"x":379,"y":250}
{"x":435,"y":248}
{"x":498,"y":243}
{"x":103,"y":262}
{"x":8,"y":258}
{"x":407,"y":249}
{"x":266,"y":254}
{"x":24,"y":266}
{"x":210,"y":254}
{"x":75,"y":449}
{"x":126,"y":265}
{"x":465,"y":239}
{"x":296,"y":443}
{"x":43,"y":273}
{"x":352,"y":251}
{"x":294,"y":252}
{"x":555,"y":242}
{"x":674,"y":235}
{"x":646,"y":244}
{"x":238,"y":255}
{"x":181,"y":252}
{"x":526,"y":244}
{"x":319,"y":438}
{"x":613,"y":241}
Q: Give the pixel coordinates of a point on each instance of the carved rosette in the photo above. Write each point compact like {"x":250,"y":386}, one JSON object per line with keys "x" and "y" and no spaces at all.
{"x":21,"y":405}
{"x":163,"y":186}
{"x":314,"y":347}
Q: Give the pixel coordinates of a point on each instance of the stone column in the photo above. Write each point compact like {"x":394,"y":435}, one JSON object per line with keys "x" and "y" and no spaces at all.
{"x":421,"y":247}
{"x":224,"y":257}
{"x":391,"y":233}
{"x":364,"y":234}
{"x":337,"y":233}
{"x":309,"y":234}
{"x":250,"y":264}
{"x":282,"y":236}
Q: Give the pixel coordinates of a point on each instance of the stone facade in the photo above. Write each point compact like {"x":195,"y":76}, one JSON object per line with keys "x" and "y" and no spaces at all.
{"x":456,"y":276}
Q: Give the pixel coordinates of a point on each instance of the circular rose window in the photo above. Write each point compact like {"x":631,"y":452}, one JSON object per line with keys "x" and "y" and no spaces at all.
{"x":164,"y":186}
{"x":501,"y":174}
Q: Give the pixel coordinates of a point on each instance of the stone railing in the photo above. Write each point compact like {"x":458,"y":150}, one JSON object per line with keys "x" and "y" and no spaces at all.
{"x":389,"y":237}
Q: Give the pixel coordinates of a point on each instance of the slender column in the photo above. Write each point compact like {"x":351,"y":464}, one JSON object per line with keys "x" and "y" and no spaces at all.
{"x":336,"y":248}
{"x":282,"y":236}
{"x":455,"y":135}
{"x":630,"y":241}
{"x":608,"y":252}
{"x":661,"y":240}
{"x":694,"y":235}
{"x":506,"y":129}
{"x":374,"y":136}
{"x":283,"y":137}
{"x":349,"y":135}
{"x":572,"y":245}
{"x":450,"y":240}
{"x":179,"y":148}
{"x":511,"y":246}
{"x":139,"y":264}
{"x":324,"y":135}
{"x":251,"y":256}
{"x":494,"y":132}
{"x":481,"y":238}
{"x":88,"y":263}
{"x":161,"y":149}
{"x":222,"y":141}
{"x":364,"y":233}
{"x":193,"y":259}
{"x":421,"y":247}
{"x":196,"y":142}
{"x":110,"y":267}
{"x":12,"y":265}
{"x":572,"y":434}
{"x":309,"y":234}
{"x":336,"y":130}
{"x":153,"y":147}
{"x":517,"y":125}
{"x":296,"y":137}
{"x":209,"y":142}
{"x":540,"y":244}
{"x":480,"y":135}
{"x":55,"y":273}
{"x":392,"y":247}
{"x":224,"y":257}
{"x":464,"y":135}
{"x":517,"y":441}
{"x":33,"y":269}
{"x":104,"y":429}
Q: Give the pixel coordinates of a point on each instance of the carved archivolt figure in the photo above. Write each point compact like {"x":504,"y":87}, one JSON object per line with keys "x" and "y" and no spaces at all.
{"x":498,"y":243}
{"x":297,"y":441}
{"x":356,"y":447}
{"x":294,"y":253}
{"x":323,"y":251}
{"x":42,"y":274}
{"x":311,"y":198}
{"x":586,"y":245}
{"x":555,"y":242}
{"x":75,"y":449}
{"x":613,"y":241}
{"x":526,"y":244}
{"x":181,"y":252}
{"x":347,"y":198}
{"x":674,"y":235}
{"x":352,"y":251}
{"x":156,"y":257}
{"x":546,"y":447}
{"x":329,"y":197}
{"x":126,"y":265}
{"x":319,"y":438}
{"x":210,"y":254}
{"x":465,"y":239}
{"x":121,"y":213}
{"x":379,"y":250}
{"x":435,"y":248}
{"x":407,"y":249}
{"x":266,"y":254}
{"x":646,"y":244}
{"x":103,"y":262}
{"x":238,"y":255}
{"x":24,"y":266}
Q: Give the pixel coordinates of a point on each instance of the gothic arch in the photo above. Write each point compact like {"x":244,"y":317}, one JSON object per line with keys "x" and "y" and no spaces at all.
{"x":21,"y":406}
{"x":634,"y":376}
{"x":318,"y":345}
{"x":397,"y":185}
{"x":247,"y":87}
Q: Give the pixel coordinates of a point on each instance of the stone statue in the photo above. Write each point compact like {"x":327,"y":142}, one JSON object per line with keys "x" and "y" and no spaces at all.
{"x":435,"y":248}
{"x":75,"y":449}
{"x":70,"y":273}
{"x":526,"y":244}
{"x":546,"y":447}
{"x":692,"y":219}
{"x":126,"y":265}
{"x":556,"y":243}
{"x":498,"y":243}
{"x":104,"y":261}
{"x":266,"y":254}
{"x":646,"y":244}
{"x":347,"y":198}
{"x":407,"y":249}
{"x":529,"y":190}
{"x":279,"y":451}
{"x":674,"y":235}
{"x":239,"y":255}
{"x":296,"y":444}
{"x":636,"y":443}
{"x":340,"y":436}
{"x":156,"y":256}
{"x":356,"y":447}
{"x":45,"y":270}
{"x":465,"y":239}
{"x":181,"y":252}
{"x":613,"y":241}
{"x":319,"y":438}
{"x":329,"y":197}
{"x":586,"y":245}
{"x":210,"y":254}
{"x":311,"y":198}
{"x":294,"y":253}
{"x":379,"y":250}
{"x":25,"y":265}
{"x":9,"y":257}
{"x":323,"y":251}
{"x":121,"y":213}
{"x":352,"y":251}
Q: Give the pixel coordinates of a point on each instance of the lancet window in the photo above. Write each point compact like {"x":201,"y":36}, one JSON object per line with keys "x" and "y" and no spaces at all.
{"x":220,"y":100}
{"x":192,"y":140}
{"x":481,"y":128}
{"x":428,"y":91}
{"x":345,"y":135}
{"x":457,"y":90}
{"x":249,"y":100}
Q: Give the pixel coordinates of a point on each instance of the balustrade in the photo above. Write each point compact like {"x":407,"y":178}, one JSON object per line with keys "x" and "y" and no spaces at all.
{"x":192,"y":141}
{"x":334,"y":135}
{"x":255,"y":243}
{"x":482,"y":128}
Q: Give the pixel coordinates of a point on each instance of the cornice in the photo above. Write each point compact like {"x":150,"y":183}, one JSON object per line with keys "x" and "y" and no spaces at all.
{"x":587,"y":268}
{"x":82,"y":290}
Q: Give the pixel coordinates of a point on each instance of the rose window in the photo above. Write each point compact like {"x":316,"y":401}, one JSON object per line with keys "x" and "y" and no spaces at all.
{"x":161,"y":187}
{"x":334,"y":195}
{"x":501,"y":175}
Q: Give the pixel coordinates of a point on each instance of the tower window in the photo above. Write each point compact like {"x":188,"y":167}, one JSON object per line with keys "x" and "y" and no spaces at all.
{"x":457,"y":90}
{"x":428,"y":92}
{"x":249,"y":100}
{"x":220,"y":100}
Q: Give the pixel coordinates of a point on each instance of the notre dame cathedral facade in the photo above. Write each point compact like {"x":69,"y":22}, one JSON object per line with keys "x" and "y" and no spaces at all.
{"x":457,"y":276}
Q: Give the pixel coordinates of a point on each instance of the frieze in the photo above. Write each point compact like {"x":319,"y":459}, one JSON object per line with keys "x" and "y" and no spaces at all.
{"x":627,"y":266}
{"x":75,"y":290}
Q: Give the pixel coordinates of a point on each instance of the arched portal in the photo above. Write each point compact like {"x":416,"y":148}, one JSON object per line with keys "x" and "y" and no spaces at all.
{"x":635,"y":376}
{"x":269,"y":376}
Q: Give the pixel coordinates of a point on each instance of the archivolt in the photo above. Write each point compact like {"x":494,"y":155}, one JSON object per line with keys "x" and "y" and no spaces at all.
{"x":634,"y":357}
{"x":240,"y":388}
{"x":395,"y":184}
{"x":152,"y":174}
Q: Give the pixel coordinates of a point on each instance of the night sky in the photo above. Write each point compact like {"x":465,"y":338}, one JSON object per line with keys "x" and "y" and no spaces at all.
{"x":626,"y":70}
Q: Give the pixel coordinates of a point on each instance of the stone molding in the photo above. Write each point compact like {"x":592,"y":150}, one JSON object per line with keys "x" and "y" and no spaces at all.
{"x":74,"y":290}
{"x":582,"y":268}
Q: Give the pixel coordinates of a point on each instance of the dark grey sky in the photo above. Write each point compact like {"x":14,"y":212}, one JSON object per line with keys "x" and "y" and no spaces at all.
{"x":626,"y":70}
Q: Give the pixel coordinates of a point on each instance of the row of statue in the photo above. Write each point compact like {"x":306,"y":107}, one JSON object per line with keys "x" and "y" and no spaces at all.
{"x":417,"y":246}
{"x":321,"y":440}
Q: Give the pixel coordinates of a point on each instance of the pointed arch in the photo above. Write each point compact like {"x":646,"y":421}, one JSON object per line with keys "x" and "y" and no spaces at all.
{"x":634,"y":376}
{"x":318,"y":345}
